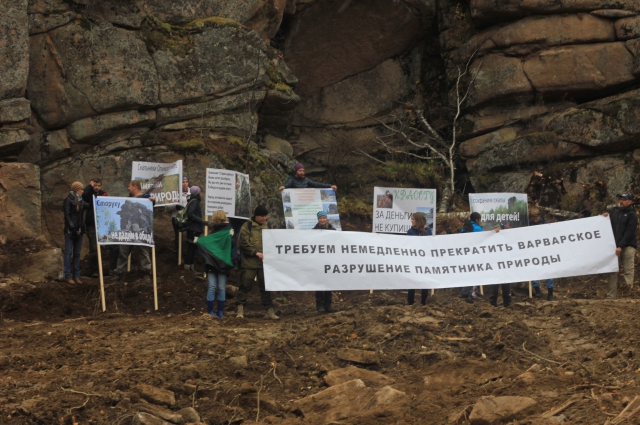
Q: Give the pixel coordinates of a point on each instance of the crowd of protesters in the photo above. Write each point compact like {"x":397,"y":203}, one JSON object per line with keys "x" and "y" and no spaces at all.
{"x":237,"y":244}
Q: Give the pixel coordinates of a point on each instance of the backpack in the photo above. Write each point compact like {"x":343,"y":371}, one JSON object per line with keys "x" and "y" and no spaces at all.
{"x":182,"y":220}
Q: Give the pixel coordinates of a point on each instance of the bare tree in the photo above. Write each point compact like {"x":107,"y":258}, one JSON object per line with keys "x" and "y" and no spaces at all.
{"x":420,"y":134}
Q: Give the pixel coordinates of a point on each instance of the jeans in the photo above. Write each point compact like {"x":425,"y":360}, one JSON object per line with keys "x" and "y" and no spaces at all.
{"x":323,"y":298}
{"x":246,"y":284}
{"x":72,"y":247}
{"x":626,"y":261}
{"x":123,"y":259}
{"x":536,"y":283}
{"x":191,"y":247}
{"x":218,"y":280}
{"x":93,"y":250}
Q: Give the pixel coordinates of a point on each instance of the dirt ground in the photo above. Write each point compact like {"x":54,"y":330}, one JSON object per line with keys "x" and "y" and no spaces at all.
{"x":63,"y":361}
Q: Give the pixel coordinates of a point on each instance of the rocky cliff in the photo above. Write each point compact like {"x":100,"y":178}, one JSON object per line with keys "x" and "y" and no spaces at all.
{"x":87,"y":86}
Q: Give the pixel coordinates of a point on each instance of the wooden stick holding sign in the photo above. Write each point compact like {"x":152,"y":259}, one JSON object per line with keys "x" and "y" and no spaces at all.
{"x":179,"y":248}
{"x":129,"y":263}
{"x":155,"y":284}
{"x":104,"y":303}
{"x":530,"y":290}
{"x":206,"y":227}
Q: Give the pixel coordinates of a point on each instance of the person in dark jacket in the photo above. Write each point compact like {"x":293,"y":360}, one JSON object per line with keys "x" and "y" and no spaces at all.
{"x":300,"y":181}
{"x":536,"y":219}
{"x":323,"y":298}
{"x":418,"y":228}
{"x":624,"y":222}
{"x":74,"y":227}
{"x":251,"y":266}
{"x":94,"y":188}
{"x":216,"y":250}
{"x":196,"y":226}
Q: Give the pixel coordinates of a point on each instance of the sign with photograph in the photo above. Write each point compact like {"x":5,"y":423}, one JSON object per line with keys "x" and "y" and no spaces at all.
{"x":228,"y":191}
{"x":504,"y":210}
{"x":123,"y":221}
{"x":161,"y":180}
{"x":301,"y":207}
{"x":393,"y":207}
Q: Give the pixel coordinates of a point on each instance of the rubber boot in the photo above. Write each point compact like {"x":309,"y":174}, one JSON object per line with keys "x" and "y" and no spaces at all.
{"x":210,"y":309}
{"x":240,"y":313}
{"x":220,"y":309}
{"x":271,"y":314}
{"x":550,"y":294}
{"x":493,"y":301}
{"x":536,"y":292}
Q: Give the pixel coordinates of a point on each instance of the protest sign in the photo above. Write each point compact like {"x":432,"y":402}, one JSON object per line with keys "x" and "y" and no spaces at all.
{"x":504,"y":210}
{"x":331,"y":261}
{"x":160,"y":180}
{"x":228,"y":191}
{"x":124,"y":221}
{"x":301,"y":207}
{"x":392,"y":208}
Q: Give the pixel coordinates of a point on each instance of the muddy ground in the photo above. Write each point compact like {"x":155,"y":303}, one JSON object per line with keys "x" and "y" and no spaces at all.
{"x":62,"y":361}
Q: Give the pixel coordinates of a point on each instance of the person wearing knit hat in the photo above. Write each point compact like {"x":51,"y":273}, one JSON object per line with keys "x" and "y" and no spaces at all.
{"x":184,"y":198}
{"x":73,"y":207}
{"x":195,"y":229}
{"x":323,"y":298}
{"x":299,"y":181}
{"x":250,"y":241}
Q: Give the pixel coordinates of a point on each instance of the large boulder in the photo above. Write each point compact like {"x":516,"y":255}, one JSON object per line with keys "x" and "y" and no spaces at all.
{"x":20,"y":205}
{"x":223,"y":57}
{"x":12,"y":142}
{"x":14,"y":110}
{"x":14,"y":48}
{"x":356,"y":98}
{"x":497,"y":78}
{"x":580,"y":70}
{"x":81,"y":70}
{"x":91,"y":130}
{"x":492,"y":11}
{"x":333,"y":39}
{"x":628,"y":28}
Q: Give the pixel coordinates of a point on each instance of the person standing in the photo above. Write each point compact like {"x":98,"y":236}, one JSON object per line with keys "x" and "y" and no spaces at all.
{"x":418,"y":228}
{"x":323,"y":298}
{"x":74,"y":227}
{"x":216,"y":250}
{"x":184,"y":197}
{"x":472,"y":225}
{"x":135,"y":191}
{"x":624,"y":222}
{"x":299,"y":180}
{"x":92,"y":189}
{"x":251,"y":266}
{"x":196,"y":227}
{"x":536,"y":219}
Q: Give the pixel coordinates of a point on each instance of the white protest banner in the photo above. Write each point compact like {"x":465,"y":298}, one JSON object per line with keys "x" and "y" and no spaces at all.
{"x":328,"y":261}
{"x":123,"y":221}
{"x":301,"y":207}
{"x":160,"y":180}
{"x":392,"y":208}
{"x":228,"y":191}
{"x":505,"y":210}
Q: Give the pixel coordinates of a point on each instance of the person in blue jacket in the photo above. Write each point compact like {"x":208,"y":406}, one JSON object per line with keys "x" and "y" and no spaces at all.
{"x":418,"y":228}
{"x":472,"y":225}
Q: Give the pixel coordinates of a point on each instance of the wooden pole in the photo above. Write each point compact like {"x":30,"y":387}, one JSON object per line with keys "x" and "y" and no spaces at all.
{"x":104,"y":303}
{"x":129,"y":263}
{"x":530,"y":290}
{"x":433,"y":291}
{"x":155,"y":283}
{"x":179,"y":248}
{"x":206,"y":228}
{"x":481,"y":290}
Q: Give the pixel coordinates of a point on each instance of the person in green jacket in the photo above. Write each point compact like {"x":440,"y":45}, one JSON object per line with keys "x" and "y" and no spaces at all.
{"x":250,"y":240}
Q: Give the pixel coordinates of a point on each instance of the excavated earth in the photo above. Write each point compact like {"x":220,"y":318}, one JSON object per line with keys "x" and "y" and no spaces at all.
{"x":63,"y":361}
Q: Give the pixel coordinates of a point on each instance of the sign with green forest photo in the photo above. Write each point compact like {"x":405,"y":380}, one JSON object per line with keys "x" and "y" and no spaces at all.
{"x":504,"y":210}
